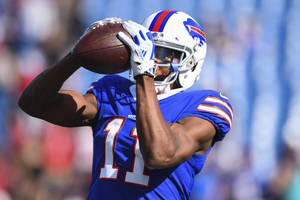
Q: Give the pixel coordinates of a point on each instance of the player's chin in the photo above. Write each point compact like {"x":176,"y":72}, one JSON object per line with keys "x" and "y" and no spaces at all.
{"x":160,"y":77}
{"x":161,"y":74}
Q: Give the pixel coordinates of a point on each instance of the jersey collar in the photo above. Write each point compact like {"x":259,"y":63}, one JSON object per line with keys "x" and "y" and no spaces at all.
{"x":132,"y":90}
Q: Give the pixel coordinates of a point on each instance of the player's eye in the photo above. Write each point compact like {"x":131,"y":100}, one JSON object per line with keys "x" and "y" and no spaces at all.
{"x":164,"y":55}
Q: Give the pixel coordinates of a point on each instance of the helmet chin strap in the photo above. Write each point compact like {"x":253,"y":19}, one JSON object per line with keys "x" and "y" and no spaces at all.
{"x":162,"y":89}
{"x":168,"y":92}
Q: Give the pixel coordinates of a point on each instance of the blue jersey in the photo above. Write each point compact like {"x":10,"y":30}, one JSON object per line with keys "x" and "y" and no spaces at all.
{"x":118,"y":167}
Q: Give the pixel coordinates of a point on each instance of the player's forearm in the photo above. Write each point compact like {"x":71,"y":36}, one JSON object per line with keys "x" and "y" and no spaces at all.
{"x":43,"y":89}
{"x":158,"y":144}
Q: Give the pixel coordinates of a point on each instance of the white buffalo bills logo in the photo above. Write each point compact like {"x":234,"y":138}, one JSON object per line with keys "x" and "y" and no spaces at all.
{"x":195,"y":30}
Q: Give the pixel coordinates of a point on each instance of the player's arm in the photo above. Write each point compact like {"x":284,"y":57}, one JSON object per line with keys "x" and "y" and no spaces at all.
{"x":43,"y":98}
{"x":164,"y":145}
{"x":161,"y":144}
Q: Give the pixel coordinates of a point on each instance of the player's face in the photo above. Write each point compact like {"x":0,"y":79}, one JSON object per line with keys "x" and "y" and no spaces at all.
{"x":164,"y":56}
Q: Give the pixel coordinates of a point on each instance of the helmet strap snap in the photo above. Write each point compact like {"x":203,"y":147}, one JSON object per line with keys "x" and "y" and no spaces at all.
{"x":174,"y":66}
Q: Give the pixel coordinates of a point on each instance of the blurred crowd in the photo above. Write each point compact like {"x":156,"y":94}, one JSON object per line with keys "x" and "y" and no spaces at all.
{"x":253,"y":58}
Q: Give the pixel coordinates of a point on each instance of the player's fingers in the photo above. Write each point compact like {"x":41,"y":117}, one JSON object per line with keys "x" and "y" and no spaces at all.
{"x":135,"y":32}
{"x":143,"y":31}
{"x":131,"y":29}
{"x":149,"y":35}
{"x":126,"y":40}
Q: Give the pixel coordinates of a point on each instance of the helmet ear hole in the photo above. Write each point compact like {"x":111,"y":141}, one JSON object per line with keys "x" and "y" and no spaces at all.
{"x":191,"y":63}
{"x":193,"y":68}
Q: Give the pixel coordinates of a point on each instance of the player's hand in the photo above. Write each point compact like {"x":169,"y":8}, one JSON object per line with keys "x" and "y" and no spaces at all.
{"x":142,"y":48}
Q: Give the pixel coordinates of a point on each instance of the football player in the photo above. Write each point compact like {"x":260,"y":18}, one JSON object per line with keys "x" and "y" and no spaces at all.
{"x":151,"y":137}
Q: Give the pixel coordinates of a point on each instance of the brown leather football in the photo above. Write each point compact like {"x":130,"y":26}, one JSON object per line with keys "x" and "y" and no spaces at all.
{"x":101,"y":51}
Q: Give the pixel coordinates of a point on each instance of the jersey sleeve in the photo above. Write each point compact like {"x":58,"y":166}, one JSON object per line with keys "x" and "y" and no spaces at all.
{"x":110,"y":90}
{"x":96,"y":89}
{"x":217,"y":109}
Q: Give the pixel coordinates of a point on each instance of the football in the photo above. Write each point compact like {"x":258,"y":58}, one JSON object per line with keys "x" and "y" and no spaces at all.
{"x":99,"y":49}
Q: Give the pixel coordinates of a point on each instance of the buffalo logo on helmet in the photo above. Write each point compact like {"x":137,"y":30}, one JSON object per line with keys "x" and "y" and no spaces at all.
{"x":195,"y":31}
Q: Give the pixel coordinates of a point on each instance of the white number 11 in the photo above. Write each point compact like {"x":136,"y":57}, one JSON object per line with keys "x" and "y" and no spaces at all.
{"x":109,"y":171}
